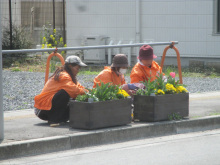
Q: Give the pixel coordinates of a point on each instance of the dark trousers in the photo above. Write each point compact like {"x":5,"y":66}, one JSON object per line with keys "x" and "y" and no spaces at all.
{"x":60,"y":109}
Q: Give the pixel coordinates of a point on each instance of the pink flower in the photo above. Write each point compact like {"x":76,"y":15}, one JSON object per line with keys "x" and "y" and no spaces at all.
{"x":172,"y":74}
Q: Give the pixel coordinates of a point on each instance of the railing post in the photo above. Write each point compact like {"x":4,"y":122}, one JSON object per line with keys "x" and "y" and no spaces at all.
{"x":118,"y":51}
{"x":110,"y":53}
{"x":178,"y":59}
{"x":129,"y":53}
{"x":1,"y":86}
{"x":48,"y":63}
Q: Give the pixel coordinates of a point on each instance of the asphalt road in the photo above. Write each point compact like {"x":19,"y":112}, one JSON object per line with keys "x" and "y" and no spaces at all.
{"x":193,"y":148}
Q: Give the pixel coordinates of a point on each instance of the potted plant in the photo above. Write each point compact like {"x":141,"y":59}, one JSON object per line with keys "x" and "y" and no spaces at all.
{"x":104,"y":106}
{"x":161,"y":100}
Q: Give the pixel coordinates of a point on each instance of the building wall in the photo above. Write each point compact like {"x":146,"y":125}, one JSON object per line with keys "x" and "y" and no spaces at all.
{"x":112,"y":18}
{"x":188,"y":21}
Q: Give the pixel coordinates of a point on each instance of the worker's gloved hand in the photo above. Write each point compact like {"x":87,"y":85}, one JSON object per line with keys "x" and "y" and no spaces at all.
{"x":132,"y":87}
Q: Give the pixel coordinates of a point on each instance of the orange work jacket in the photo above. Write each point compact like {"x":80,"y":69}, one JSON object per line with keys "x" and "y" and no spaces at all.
{"x":43,"y":101}
{"x":108,"y":76}
{"x":143,"y":73}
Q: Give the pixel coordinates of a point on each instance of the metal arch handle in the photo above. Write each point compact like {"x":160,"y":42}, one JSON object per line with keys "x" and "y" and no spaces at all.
{"x":178,"y":60}
{"x":48,"y":63}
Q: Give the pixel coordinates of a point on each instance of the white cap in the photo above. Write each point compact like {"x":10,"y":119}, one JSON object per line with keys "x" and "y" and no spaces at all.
{"x":75,"y":60}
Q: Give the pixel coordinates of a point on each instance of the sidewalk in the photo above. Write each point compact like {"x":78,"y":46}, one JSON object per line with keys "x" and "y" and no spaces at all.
{"x":25,"y":134}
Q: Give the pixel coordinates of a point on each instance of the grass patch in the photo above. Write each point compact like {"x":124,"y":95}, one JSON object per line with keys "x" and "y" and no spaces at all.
{"x":15,"y":69}
{"x":196,"y":117}
{"x":35,"y":64}
{"x":88,"y":72}
{"x":186,"y":72}
{"x":214,"y":113}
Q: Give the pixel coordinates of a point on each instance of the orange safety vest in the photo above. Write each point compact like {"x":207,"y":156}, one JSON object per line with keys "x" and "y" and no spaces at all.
{"x":43,"y":101}
{"x":108,"y":76}
{"x":143,"y":73}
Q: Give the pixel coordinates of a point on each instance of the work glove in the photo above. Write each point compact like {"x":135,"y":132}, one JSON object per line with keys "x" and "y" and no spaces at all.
{"x":132,"y":87}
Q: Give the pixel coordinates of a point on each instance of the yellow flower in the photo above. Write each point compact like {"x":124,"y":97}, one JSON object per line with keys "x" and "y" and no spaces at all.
{"x":123,"y":92}
{"x":54,"y":31}
{"x":170,"y":87}
{"x":160,"y":92}
{"x":61,"y":39}
{"x":49,"y":45}
{"x":65,"y":45}
{"x":43,"y":46}
{"x":44,"y":39}
{"x":55,"y":43}
{"x":181,"y":89}
{"x":51,"y":36}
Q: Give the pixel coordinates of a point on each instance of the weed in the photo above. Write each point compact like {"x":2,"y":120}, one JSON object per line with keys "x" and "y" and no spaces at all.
{"x":214,"y":113}
{"x":15,"y":70}
{"x":174,"y":116}
{"x":195,"y":117}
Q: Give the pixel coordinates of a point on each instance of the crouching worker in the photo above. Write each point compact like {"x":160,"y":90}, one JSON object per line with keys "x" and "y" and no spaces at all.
{"x":52,"y":103}
{"x":114,"y":74}
{"x":146,"y":68}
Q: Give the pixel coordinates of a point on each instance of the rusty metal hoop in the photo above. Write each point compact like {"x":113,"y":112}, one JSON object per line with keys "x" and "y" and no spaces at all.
{"x":48,"y":63}
{"x":178,"y":60}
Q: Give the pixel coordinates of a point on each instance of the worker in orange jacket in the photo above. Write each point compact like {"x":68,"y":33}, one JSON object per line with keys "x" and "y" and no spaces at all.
{"x":146,"y":68}
{"x":52,"y":103}
{"x":114,"y":74}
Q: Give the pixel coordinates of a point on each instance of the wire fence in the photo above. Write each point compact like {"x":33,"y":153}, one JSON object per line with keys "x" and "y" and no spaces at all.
{"x":33,"y":16}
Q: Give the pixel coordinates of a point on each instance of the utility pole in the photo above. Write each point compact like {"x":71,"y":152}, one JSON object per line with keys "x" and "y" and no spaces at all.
{"x":10,"y":24}
{"x":1,"y":85}
{"x":53,"y":14}
{"x":64,"y":23}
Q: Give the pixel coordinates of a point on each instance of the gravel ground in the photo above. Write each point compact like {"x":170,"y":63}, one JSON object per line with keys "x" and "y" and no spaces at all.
{"x":19,"y":88}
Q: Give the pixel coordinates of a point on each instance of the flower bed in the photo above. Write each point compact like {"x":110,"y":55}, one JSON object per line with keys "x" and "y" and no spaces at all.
{"x":104,"y":106}
{"x":161,"y":107}
{"x":161,"y":100}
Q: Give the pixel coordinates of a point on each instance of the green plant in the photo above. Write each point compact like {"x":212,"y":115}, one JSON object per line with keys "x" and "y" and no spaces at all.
{"x":150,"y":88}
{"x":52,"y":66}
{"x":50,"y":38}
{"x":174,"y":116}
{"x":21,"y":39}
{"x":88,"y":73}
{"x":15,"y":70}
{"x":160,"y":86}
{"x":214,"y":113}
{"x":103,"y":93}
{"x":168,"y":69}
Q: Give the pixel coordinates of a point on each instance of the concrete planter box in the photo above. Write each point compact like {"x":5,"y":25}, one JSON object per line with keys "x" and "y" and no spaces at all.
{"x":157,"y":108}
{"x":84,"y":115}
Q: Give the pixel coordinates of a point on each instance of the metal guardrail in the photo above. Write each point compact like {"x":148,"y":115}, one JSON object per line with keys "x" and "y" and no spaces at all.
{"x":92,"y":47}
{"x":87,"y":47}
{"x":63,"y":49}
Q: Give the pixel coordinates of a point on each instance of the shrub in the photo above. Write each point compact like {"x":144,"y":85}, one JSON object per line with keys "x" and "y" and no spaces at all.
{"x":21,"y":39}
{"x":52,"y":39}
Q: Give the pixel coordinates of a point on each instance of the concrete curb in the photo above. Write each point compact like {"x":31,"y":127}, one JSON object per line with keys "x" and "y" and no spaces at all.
{"x":106,"y":136}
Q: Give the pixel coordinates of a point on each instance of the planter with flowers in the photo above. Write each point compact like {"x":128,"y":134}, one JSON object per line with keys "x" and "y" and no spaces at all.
{"x":101,"y":107}
{"x":161,"y":100}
